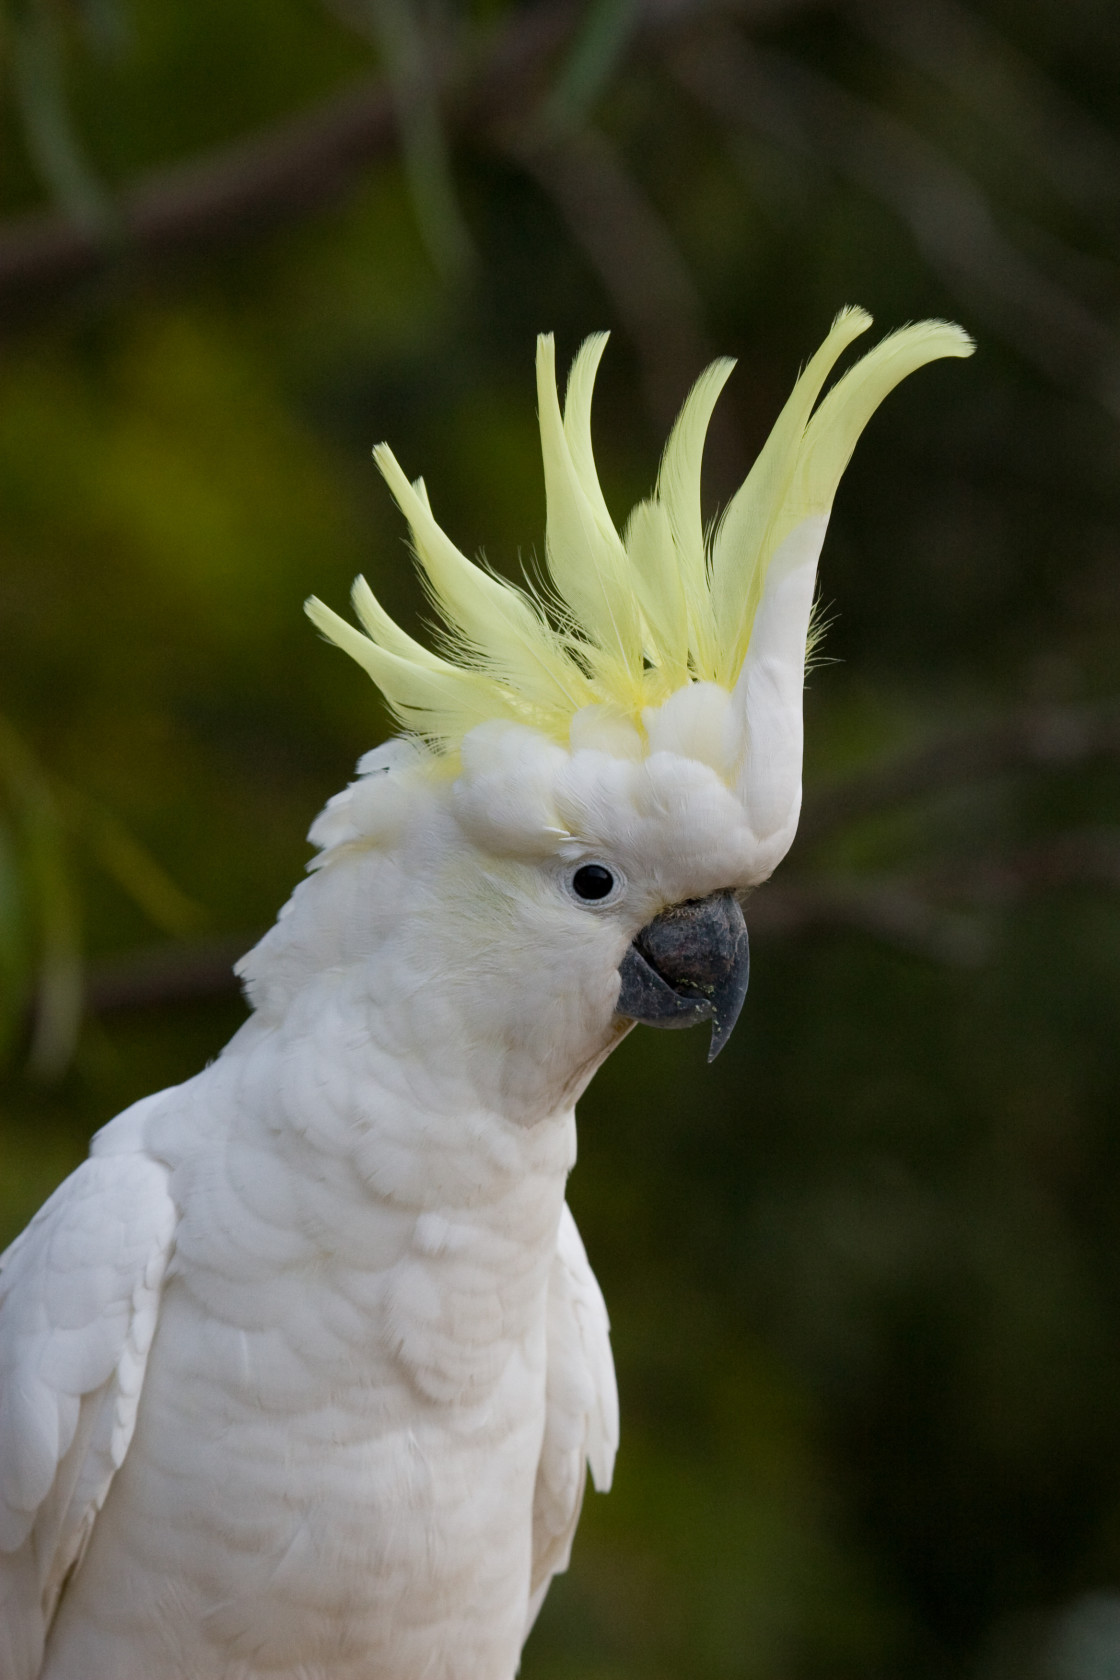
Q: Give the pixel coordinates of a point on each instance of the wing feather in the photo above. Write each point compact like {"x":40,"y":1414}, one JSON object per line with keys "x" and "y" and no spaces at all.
{"x":581,"y":1421}
{"x":79,"y":1297}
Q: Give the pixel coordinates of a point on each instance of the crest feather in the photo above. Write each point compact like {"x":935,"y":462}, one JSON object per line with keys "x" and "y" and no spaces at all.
{"x":418,"y":691}
{"x":678,"y":491}
{"x":660,"y":589}
{"x":640,"y":617}
{"x":490,"y":621}
{"x":585,"y":554}
{"x":744,"y":539}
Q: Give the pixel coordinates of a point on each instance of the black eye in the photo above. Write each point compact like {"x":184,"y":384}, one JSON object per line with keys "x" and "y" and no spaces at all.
{"x":592,"y":881}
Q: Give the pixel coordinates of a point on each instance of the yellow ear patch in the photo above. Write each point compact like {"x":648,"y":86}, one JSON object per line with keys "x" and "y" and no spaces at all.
{"x":637,"y":617}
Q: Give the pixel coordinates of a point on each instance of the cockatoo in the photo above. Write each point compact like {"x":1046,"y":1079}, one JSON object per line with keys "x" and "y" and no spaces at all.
{"x":302,"y":1371}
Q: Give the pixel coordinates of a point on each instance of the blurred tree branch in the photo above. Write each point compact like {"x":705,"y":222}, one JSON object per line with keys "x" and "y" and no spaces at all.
{"x":395,"y":27}
{"x":749,"y":89}
{"x":1039,"y":738}
{"x":290,"y":170}
{"x":247,"y":186}
{"x":966,"y":55}
{"x":307,"y":161}
{"x":165,"y":974}
{"x":944,"y":912}
{"x":630,"y":248}
{"x":527,"y":89}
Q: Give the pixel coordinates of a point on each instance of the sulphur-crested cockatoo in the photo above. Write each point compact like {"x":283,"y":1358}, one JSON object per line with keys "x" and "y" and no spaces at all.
{"x":301,"y":1372}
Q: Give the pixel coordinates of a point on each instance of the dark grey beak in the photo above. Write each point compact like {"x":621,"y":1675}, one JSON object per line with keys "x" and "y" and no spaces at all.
{"x":692,"y":963}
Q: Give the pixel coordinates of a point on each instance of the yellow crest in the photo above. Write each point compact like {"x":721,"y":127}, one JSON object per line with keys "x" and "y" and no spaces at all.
{"x":630,"y":619}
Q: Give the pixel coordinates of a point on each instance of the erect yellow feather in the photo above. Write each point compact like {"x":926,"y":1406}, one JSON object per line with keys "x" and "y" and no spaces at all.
{"x":678,"y":491}
{"x":491,"y":622}
{"x":659,"y":586}
{"x":577,"y":423}
{"x":641,"y":616}
{"x":744,"y":540}
{"x":418,"y":691}
{"x":387,"y":633}
{"x":586,"y":559}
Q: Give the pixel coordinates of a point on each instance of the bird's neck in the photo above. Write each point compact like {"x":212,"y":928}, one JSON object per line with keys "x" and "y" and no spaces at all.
{"x":368,"y":960}
{"x":405,"y":1099}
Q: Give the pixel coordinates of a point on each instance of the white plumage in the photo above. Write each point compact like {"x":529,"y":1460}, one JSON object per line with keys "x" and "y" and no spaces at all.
{"x":301,"y":1372}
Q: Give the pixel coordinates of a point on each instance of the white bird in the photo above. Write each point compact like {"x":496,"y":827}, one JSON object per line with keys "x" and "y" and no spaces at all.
{"x":301,"y":1371}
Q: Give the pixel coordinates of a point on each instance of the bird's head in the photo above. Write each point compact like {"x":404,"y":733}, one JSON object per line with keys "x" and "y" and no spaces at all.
{"x":615,"y":753}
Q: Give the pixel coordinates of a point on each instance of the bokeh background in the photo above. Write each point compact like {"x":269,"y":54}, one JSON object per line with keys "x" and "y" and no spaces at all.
{"x":864,"y":1272}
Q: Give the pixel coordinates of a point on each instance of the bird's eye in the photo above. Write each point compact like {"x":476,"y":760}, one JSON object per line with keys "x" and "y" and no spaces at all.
{"x":593,"y":882}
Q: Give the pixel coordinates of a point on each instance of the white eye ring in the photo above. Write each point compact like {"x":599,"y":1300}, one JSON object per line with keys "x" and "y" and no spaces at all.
{"x":593,"y":884}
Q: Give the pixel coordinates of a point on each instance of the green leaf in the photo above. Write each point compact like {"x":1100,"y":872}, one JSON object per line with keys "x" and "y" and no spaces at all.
{"x":394,"y":27}
{"x":132,"y":866}
{"x":52,"y":139}
{"x":592,"y":58}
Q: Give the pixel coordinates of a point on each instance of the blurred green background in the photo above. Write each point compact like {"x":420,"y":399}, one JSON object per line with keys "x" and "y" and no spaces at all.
{"x":864,"y":1273}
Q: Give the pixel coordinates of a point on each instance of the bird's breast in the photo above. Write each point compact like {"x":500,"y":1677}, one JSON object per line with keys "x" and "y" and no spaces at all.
{"x":336,"y":1450}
